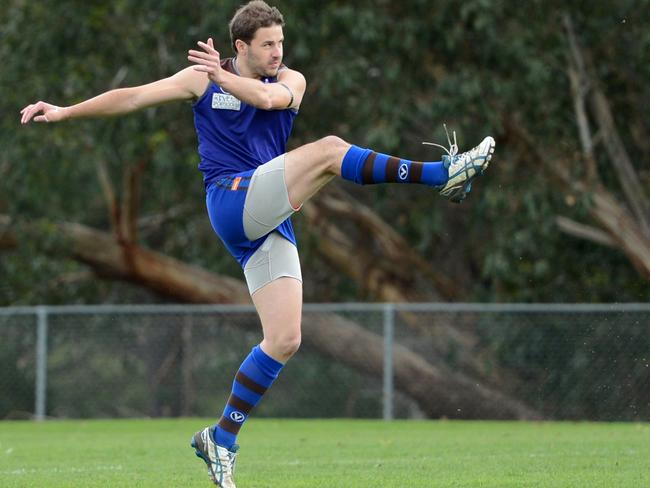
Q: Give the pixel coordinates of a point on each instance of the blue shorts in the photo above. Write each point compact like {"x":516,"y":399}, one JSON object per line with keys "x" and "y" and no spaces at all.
{"x":226,"y":198}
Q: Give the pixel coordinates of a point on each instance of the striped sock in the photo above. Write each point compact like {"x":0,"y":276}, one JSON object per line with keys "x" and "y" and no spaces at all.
{"x":366,"y":167}
{"x":255,"y":376}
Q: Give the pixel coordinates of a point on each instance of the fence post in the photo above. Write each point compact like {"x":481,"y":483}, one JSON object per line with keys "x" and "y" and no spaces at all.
{"x":389,"y":330}
{"x":41,"y":363}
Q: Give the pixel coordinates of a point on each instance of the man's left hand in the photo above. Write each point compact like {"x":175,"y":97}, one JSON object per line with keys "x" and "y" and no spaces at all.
{"x":208,"y":61}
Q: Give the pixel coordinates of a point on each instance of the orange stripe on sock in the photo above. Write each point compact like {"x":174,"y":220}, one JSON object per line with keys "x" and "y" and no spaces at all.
{"x":235,"y":183}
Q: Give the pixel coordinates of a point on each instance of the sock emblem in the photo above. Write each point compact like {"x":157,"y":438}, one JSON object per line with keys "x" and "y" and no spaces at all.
{"x":403,"y":172}
{"x":237,"y":416}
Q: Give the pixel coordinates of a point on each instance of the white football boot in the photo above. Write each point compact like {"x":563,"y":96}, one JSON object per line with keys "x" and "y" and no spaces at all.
{"x":464,"y":167}
{"x":220,"y":461}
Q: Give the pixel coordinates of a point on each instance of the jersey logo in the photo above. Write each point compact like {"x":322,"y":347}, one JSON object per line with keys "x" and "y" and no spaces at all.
{"x":225,"y":101}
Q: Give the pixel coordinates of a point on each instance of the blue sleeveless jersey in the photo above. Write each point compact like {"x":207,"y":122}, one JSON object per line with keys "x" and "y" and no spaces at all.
{"x":234,"y":136}
{"x":234,"y":139}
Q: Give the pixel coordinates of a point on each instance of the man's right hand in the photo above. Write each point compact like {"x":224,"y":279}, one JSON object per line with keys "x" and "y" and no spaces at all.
{"x":47,"y":111}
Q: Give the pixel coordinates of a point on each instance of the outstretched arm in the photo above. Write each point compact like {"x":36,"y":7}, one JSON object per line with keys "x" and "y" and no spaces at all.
{"x":287,"y":93}
{"x":184,"y":85}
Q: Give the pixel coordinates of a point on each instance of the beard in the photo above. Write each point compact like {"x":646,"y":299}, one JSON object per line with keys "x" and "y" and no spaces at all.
{"x":267,"y":70}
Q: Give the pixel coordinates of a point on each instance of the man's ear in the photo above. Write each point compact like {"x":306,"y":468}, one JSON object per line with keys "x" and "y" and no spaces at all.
{"x":241,"y":47}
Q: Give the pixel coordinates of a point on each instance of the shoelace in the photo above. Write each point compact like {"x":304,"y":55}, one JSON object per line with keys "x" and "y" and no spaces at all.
{"x":453,"y":148}
{"x":228,"y":468}
{"x":233,"y":458}
{"x":225,"y":468}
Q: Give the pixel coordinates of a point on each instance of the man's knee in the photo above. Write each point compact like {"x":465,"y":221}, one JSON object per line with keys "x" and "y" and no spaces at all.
{"x":331,"y":150}
{"x":333,"y":141}
{"x":332,"y":146}
{"x":291,"y":345}
{"x":285,"y":345}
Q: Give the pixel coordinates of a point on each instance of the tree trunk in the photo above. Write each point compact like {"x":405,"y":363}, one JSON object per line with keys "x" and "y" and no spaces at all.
{"x":623,"y":220}
{"x":160,"y":273}
{"x":438,"y":391}
{"x":381,"y":278}
{"x":621,"y":228}
{"x":385,"y":265}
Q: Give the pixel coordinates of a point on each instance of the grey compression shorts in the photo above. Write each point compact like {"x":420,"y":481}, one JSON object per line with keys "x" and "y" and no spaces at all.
{"x":267,"y":206}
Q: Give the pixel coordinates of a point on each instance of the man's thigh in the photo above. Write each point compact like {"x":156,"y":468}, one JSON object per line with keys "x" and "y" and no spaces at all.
{"x":267,"y":200}
{"x":276,"y":258}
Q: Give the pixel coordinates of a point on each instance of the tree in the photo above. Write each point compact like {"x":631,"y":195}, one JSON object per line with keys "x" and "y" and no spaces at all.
{"x":482,"y":67}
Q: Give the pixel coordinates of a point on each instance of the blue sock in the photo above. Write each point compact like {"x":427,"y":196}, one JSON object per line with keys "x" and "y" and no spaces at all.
{"x":255,"y":376}
{"x":366,"y":167}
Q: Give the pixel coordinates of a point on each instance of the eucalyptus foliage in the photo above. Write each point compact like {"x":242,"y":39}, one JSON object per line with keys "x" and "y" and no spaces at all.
{"x":380,"y":73}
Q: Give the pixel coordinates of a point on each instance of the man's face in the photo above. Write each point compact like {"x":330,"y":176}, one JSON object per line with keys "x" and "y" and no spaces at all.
{"x":265,"y":51}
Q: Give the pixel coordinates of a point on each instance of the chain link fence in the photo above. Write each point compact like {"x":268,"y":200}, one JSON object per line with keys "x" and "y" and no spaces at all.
{"x":356,"y":360}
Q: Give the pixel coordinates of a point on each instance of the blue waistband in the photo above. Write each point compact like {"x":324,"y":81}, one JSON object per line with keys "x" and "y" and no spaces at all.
{"x":233,"y":182}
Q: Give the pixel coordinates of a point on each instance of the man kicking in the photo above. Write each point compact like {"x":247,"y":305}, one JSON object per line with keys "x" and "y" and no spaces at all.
{"x":243,"y":112}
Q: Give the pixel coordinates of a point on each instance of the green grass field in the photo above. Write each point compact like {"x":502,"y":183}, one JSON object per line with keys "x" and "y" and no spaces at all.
{"x":329,"y":453}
